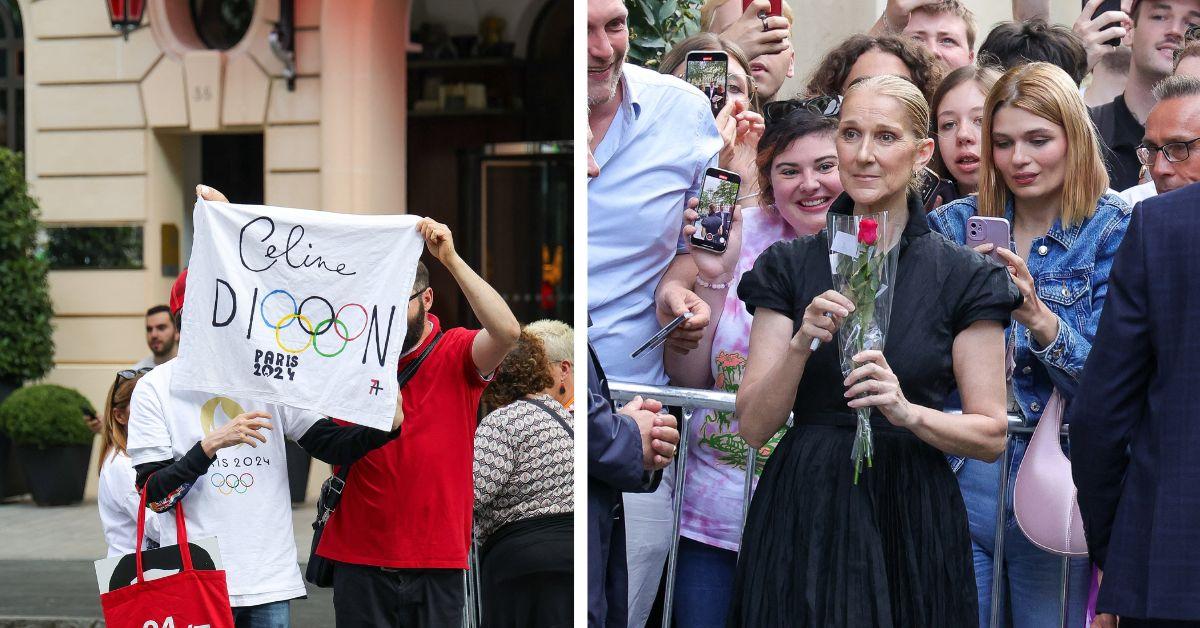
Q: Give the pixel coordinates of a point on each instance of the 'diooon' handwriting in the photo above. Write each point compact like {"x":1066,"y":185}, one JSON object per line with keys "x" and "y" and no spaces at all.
{"x":274,"y":253}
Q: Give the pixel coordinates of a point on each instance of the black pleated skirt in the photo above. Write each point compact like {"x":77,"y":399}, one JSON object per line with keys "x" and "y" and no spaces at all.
{"x":526,"y":574}
{"x":820,"y":551}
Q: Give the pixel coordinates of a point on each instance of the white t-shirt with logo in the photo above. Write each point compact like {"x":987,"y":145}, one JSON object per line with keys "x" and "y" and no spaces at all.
{"x":243,"y":500}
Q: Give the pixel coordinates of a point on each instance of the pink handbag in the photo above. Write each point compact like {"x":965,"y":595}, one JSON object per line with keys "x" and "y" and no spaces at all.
{"x":1044,"y":500}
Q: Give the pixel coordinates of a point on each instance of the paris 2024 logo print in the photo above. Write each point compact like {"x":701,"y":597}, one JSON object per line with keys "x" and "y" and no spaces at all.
{"x":232,"y":473}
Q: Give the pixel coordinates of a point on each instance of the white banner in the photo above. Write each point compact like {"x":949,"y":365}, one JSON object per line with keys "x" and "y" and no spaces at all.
{"x":298,"y":307}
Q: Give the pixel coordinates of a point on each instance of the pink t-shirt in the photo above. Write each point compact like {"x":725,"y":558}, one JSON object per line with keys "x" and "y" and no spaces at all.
{"x":716,"y":466}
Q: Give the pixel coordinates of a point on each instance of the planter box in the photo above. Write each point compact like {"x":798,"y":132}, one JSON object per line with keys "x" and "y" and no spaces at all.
{"x":56,"y":475}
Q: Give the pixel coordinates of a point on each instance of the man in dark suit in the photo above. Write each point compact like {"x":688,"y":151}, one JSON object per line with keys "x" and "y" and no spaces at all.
{"x":1134,"y":432}
{"x":627,"y":450}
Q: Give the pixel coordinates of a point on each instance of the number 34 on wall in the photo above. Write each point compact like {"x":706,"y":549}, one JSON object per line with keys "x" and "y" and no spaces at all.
{"x":201,"y":93}
{"x":169,"y":622}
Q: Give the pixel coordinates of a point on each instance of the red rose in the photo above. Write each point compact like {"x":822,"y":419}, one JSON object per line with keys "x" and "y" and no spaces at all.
{"x":868,"y":231}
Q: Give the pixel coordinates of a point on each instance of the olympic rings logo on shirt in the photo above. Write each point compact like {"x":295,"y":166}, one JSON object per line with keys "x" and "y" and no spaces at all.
{"x":230,"y":483}
{"x":313,"y":332}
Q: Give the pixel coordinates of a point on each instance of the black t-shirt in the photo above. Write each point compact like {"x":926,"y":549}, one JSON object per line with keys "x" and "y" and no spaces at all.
{"x":941,"y":288}
{"x":1120,"y":133}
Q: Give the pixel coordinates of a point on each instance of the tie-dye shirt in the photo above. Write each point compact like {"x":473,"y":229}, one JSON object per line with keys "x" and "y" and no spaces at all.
{"x":716,"y":466}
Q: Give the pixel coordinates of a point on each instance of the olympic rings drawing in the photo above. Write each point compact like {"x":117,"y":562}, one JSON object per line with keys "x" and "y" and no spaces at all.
{"x":333,"y":321}
{"x":280,"y":325}
{"x":344,"y":340}
{"x":228,"y":484}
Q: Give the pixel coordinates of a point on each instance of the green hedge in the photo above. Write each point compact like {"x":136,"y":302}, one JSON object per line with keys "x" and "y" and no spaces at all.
{"x":45,"y":415}
{"x":26,"y":343}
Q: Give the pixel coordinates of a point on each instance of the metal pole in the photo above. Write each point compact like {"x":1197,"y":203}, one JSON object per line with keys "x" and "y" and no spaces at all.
{"x":751,"y":465}
{"x":466,"y":618}
{"x":1062,"y":599}
{"x":478,"y":605}
{"x":998,"y":543}
{"x":677,"y":497}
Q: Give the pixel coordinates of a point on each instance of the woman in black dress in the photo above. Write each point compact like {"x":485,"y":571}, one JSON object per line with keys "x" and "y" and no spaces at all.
{"x":893,"y":550}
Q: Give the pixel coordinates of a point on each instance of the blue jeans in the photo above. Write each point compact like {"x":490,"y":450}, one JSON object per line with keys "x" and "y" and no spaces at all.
{"x":703,"y":584}
{"x":1034,"y":577}
{"x":270,"y":615}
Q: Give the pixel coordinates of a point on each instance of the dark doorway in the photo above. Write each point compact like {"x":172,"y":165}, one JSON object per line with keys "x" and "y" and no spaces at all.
{"x":234,"y":165}
{"x":548,"y":92}
{"x":231,"y":163}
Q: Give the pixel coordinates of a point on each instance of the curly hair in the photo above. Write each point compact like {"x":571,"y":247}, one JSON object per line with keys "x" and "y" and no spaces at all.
{"x":524,"y":371}
{"x":831,"y":73}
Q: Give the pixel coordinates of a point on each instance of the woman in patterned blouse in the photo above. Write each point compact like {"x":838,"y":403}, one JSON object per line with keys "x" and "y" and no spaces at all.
{"x":524,"y":497}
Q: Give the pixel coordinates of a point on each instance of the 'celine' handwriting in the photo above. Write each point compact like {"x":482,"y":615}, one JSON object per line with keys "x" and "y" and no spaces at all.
{"x":273,"y":253}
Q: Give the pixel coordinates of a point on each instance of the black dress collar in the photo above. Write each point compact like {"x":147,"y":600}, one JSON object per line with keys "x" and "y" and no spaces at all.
{"x":916,"y":227}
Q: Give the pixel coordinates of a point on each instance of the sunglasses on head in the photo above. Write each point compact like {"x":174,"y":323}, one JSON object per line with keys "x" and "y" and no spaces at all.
{"x":828,"y":106}
{"x":123,"y":376}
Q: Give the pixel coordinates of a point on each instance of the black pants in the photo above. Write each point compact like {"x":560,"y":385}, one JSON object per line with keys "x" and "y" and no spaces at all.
{"x":526,"y":574}
{"x":401,"y":598}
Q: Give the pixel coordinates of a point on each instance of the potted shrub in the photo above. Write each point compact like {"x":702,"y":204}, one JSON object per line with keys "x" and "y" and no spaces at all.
{"x":27,"y":347}
{"x":53,"y":443}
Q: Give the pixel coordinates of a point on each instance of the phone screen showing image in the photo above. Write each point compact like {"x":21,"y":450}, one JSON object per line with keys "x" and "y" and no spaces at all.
{"x":717,"y":198}
{"x":709,"y":71}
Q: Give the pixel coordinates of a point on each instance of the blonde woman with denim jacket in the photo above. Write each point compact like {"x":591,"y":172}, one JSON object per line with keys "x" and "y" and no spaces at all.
{"x":1043,"y":172}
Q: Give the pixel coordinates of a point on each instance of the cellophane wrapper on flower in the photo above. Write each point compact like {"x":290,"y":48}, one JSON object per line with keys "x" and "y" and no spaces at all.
{"x":868,"y":280}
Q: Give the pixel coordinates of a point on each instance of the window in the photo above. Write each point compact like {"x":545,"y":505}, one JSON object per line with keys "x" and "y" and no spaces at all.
{"x":99,"y":248}
{"x":221,"y":24}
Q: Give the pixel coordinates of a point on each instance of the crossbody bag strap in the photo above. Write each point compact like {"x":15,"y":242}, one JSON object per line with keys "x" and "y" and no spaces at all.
{"x":545,"y":406}
{"x":402,"y":379}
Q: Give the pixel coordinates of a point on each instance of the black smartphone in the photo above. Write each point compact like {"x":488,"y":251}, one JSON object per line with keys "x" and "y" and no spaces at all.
{"x":708,"y":70}
{"x":1107,"y":5}
{"x":718,"y":195}
{"x":930,"y":185}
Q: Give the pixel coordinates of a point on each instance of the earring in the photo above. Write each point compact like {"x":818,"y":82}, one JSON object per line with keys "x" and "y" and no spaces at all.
{"x":562,"y":388}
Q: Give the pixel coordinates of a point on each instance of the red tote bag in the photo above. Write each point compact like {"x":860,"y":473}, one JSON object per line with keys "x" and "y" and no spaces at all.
{"x":190,"y":597}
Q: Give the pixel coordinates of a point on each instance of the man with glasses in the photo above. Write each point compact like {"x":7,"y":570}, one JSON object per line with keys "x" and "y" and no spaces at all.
{"x":1158,"y":31}
{"x":1169,"y":146}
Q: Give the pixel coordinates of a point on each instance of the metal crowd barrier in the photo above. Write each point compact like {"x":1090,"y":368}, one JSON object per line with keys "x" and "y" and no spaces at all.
{"x":691,"y":399}
{"x":473,"y":604}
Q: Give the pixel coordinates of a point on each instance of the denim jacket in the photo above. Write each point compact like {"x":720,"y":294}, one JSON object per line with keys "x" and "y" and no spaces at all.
{"x":1070,"y":267}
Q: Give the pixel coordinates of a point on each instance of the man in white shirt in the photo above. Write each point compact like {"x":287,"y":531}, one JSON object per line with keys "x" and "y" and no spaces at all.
{"x":653,"y":138}
{"x":1169,"y":145}
{"x":232,"y":477}
{"x":161,"y":337}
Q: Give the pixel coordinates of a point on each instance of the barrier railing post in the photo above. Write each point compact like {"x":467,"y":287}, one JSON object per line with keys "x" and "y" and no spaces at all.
{"x":677,"y":503}
{"x":751,"y":465}
{"x":998,"y":543}
{"x":1062,"y":600}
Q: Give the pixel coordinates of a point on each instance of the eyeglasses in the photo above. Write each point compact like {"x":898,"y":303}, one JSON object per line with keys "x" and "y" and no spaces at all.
{"x":1174,"y":152}
{"x":417,"y":293}
{"x":126,"y":375}
{"x":828,"y":106}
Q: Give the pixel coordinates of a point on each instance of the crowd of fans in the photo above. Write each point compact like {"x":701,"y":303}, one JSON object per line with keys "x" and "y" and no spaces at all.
{"x":1079,"y":136}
